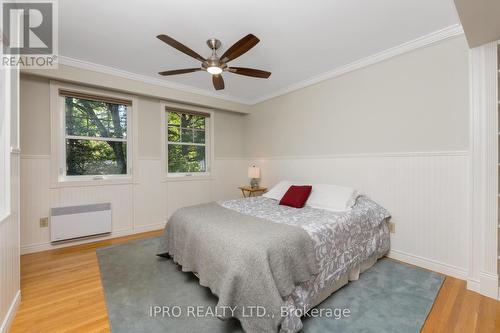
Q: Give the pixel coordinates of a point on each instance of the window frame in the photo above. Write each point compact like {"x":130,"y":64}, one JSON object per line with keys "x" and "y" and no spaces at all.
{"x":58,"y":138}
{"x":209,"y":142}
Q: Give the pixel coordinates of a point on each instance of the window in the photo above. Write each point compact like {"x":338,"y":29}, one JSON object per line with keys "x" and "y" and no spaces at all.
{"x":187,"y":147}
{"x":91,"y":135}
{"x":96,"y":137}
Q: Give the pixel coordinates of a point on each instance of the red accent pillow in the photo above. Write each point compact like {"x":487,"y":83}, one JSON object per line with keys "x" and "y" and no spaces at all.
{"x":296,"y":196}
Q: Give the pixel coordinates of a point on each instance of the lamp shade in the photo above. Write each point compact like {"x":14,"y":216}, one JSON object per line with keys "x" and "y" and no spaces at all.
{"x":253,"y":172}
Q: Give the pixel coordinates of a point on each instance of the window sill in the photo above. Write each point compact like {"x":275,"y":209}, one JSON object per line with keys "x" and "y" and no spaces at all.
{"x":92,"y":182}
{"x":167,"y":179}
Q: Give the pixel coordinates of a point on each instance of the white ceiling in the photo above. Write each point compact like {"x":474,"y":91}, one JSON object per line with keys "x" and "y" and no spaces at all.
{"x":299,"y":39}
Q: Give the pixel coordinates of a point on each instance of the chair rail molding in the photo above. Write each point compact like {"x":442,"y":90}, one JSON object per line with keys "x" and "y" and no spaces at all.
{"x":483,"y":222}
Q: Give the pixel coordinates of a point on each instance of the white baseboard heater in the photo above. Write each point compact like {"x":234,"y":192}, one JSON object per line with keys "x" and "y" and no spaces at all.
{"x":71,"y":223}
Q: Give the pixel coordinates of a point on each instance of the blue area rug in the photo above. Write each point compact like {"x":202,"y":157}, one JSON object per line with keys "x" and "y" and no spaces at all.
{"x":389,"y":297}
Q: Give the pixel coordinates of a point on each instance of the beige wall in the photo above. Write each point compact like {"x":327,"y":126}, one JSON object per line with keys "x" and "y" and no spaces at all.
{"x":416,"y":102}
{"x":35,"y":115}
{"x":149,"y":127}
{"x":35,"y":123}
{"x":229,"y":135}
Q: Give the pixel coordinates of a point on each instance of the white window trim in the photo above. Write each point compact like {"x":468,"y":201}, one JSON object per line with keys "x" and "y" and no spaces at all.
{"x":185,"y":176}
{"x":58,"y":140}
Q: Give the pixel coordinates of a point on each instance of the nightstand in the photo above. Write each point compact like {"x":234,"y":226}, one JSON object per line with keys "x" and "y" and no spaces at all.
{"x":248,"y":191}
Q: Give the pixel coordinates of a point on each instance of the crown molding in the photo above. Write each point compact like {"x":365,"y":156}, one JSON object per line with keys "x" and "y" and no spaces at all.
{"x":434,"y":37}
{"x":146,"y":79}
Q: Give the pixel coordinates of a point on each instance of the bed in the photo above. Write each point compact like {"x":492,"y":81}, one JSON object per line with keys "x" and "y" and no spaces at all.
{"x":271,"y":263}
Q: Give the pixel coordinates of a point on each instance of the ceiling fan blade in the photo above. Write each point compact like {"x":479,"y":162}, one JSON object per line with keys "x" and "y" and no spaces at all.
{"x":179,"y":71}
{"x":218,"y":82}
{"x":239,"y":48}
{"x":250,"y":72}
{"x":179,"y":46}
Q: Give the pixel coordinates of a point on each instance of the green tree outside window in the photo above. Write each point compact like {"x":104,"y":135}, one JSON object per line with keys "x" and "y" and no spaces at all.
{"x":96,"y":137}
{"x":186,"y":142}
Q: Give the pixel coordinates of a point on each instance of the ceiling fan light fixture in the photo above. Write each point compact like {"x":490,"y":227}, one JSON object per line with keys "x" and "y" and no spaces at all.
{"x":216,"y":64}
{"x":214,"y":70}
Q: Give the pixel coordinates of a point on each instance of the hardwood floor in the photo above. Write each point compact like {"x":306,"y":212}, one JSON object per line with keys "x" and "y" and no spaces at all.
{"x":62,"y":292}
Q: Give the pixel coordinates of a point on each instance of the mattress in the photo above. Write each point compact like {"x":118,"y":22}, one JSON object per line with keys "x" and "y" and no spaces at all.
{"x":346,"y":243}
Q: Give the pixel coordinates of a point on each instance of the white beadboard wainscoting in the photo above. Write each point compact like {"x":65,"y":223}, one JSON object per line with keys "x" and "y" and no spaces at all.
{"x":10,"y":296}
{"x":137,"y":207}
{"x":426,"y":193}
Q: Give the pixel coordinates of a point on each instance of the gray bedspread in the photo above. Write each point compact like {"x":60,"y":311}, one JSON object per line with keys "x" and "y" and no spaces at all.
{"x":342,"y":241}
{"x":245,"y":260}
{"x":247,"y":252}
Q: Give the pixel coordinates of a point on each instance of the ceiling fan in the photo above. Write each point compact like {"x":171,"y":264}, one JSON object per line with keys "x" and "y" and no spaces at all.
{"x":214,"y":64}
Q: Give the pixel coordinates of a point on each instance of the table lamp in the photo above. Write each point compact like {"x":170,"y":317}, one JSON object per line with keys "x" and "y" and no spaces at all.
{"x":254,"y":174}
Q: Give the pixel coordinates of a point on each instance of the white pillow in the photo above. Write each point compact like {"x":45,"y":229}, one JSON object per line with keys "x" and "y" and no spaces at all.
{"x":332,"y":197}
{"x":278,"y":190}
